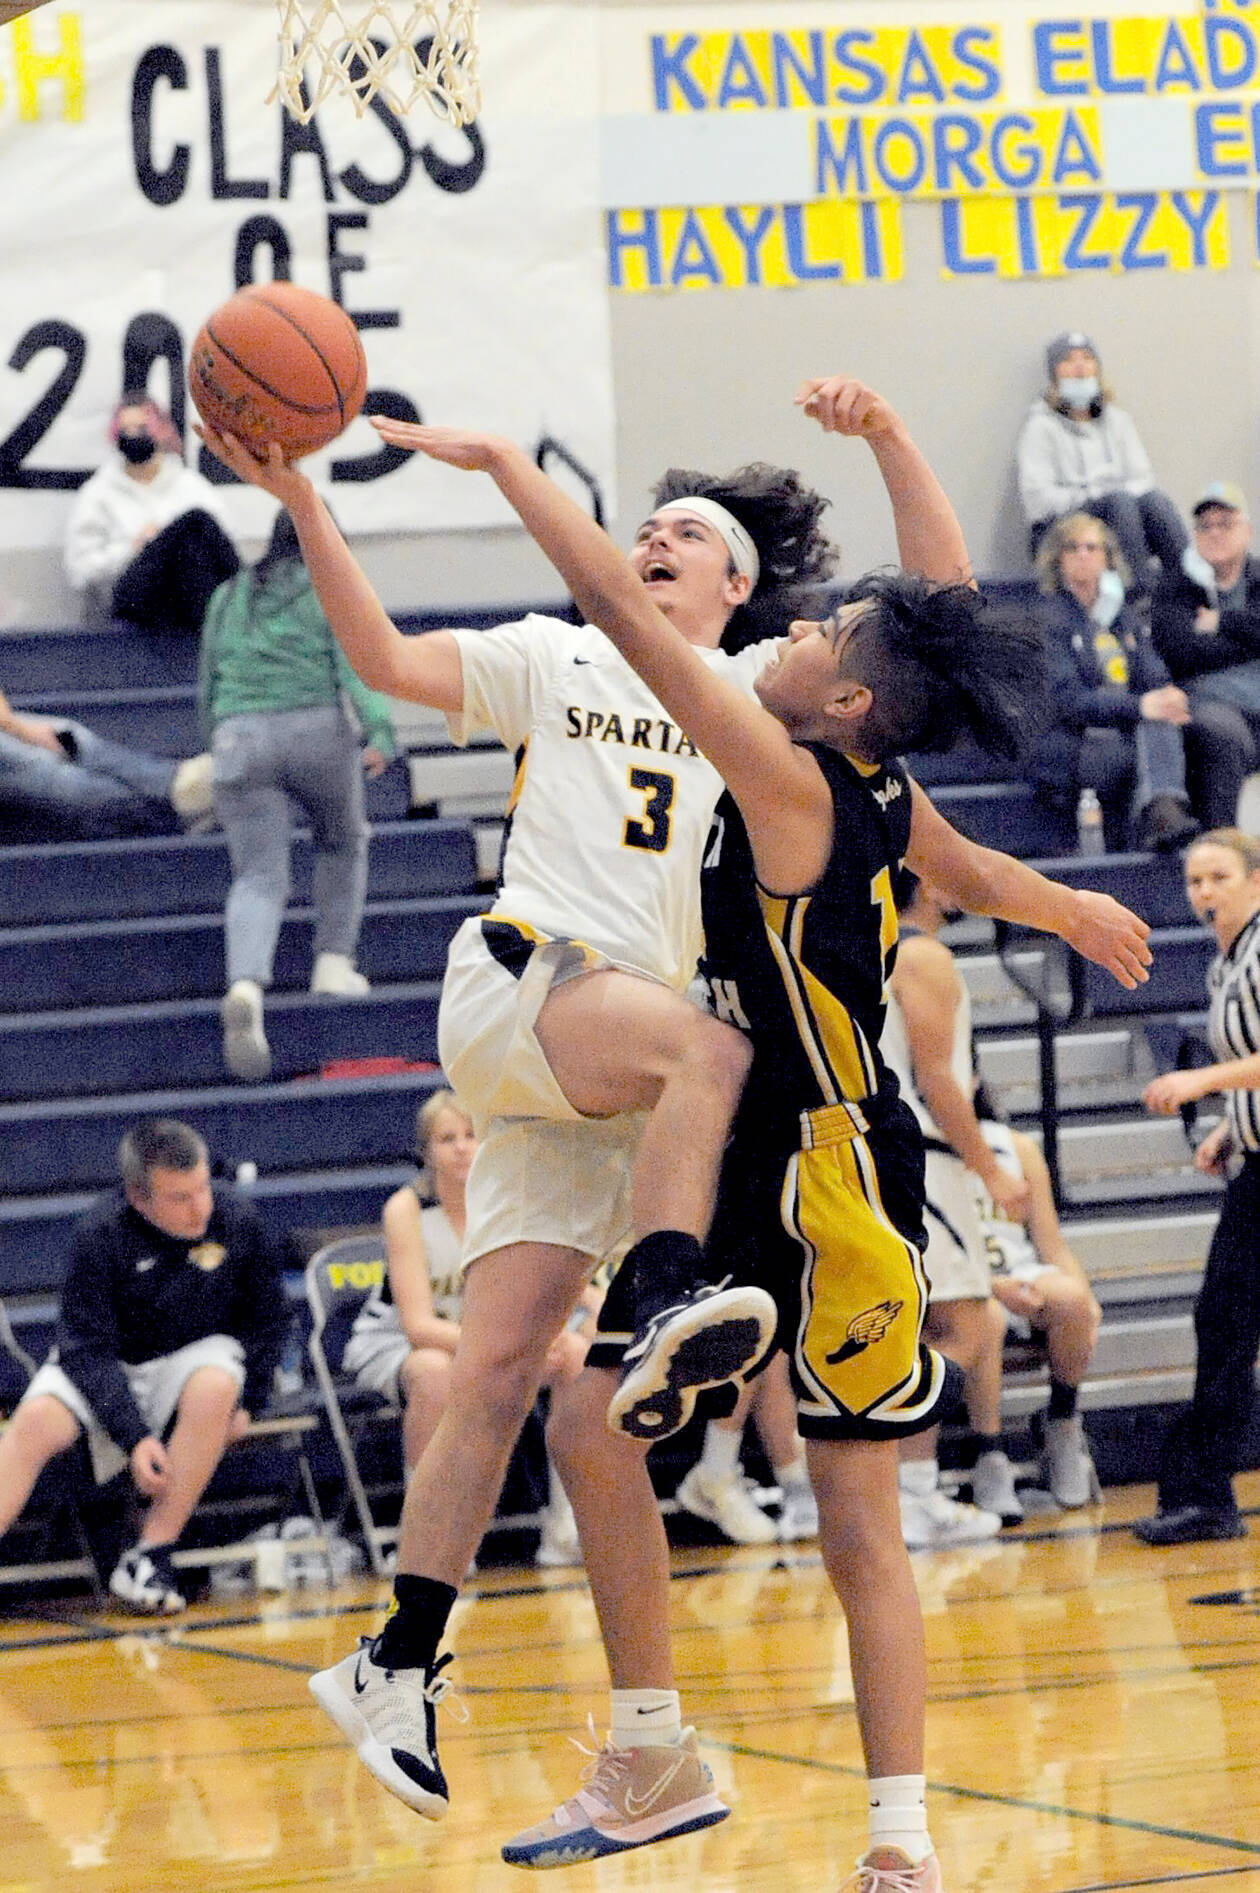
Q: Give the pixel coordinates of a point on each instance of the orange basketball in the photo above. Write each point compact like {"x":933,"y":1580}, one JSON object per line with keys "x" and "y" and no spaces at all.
{"x":277,"y":362}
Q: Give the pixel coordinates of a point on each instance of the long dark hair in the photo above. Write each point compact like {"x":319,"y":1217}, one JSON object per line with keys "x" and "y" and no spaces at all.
{"x":940,"y":660}
{"x":281,"y":549}
{"x":781,"y":514}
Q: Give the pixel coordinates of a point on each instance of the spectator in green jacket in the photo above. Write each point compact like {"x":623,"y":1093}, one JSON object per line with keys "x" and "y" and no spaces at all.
{"x":274,"y":693}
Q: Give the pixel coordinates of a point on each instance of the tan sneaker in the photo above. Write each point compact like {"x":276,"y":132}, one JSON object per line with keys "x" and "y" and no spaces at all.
{"x":888,"y":1870}
{"x":630,"y":1797}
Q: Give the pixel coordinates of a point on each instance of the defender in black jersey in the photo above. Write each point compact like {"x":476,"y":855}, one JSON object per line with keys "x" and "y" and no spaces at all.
{"x":801,"y":927}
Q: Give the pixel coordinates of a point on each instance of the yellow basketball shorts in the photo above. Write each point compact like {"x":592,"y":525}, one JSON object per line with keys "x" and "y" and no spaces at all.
{"x":859,"y":1362}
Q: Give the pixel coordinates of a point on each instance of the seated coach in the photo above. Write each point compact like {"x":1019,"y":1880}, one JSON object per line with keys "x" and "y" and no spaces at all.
{"x":172,"y":1315}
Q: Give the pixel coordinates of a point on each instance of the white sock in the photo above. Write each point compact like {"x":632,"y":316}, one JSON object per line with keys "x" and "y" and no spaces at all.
{"x":795,"y":1475}
{"x":898,"y":1817}
{"x":918,"y":1476}
{"x":644,"y":1718}
{"x":719,"y":1457}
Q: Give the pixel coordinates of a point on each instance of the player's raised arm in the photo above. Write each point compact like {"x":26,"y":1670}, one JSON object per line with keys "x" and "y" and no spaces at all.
{"x":425,"y":668}
{"x":776,"y":784}
{"x":929,"y":538}
{"x":984,"y":881}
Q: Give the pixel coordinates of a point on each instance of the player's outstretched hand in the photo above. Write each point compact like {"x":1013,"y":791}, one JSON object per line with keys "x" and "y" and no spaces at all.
{"x":843,"y":405}
{"x":274,"y":474}
{"x":1111,"y":936}
{"x":461,"y":447}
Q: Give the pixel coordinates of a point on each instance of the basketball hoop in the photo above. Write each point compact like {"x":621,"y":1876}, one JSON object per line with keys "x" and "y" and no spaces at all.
{"x":395,"y":50}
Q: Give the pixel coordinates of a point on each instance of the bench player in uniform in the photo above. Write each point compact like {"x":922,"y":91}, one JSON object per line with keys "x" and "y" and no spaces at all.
{"x":800,"y":932}
{"x":563,"y":1023}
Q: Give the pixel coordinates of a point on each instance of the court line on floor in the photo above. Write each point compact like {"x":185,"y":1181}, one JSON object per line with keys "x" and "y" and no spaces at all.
{"x":960,"y":1793}
{"x":1163,"y":1879}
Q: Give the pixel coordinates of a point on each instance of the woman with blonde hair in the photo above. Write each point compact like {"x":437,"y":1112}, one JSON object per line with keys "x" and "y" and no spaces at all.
{"x":1119,"y":724}
{"x":403,"y":1342}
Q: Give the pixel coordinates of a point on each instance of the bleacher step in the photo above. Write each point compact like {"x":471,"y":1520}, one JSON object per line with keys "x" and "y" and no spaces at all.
{"x":1094,"y":1069}
{"x":46,"y":969}
{"x":190,"y":874}
{"x":73,"y":1142}
{"x":177,"y":1044}
{"x":35,"y":1230}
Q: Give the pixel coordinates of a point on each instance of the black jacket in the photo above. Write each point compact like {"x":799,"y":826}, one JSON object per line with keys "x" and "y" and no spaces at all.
{"x":1078,"y":696}
{"x":132,"y":1293}
{"x":1190,"y":653}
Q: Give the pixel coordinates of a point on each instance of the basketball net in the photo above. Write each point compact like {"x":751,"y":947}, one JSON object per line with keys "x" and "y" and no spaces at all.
{"x":395,"y":50}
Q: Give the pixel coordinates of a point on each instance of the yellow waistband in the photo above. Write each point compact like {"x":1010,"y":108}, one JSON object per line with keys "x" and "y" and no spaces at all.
{"x":832,"y":1124}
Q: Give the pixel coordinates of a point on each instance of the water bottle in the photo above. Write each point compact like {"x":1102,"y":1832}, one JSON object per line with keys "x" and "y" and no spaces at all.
{"x":1089,"y":824}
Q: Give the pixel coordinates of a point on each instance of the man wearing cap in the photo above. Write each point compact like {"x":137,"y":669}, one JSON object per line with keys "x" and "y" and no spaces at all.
{"x":1079,"y":452}
{"x":1205,"y":616}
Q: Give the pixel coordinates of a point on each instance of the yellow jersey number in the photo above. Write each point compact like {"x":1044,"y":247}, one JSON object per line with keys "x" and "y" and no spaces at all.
{"x":882,"y":897}
{"x":651,"y":829}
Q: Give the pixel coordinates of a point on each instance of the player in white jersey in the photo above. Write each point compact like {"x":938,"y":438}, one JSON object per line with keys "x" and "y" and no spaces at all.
{"x":1203,"y":1448}
{"x":927,"y":1042}
{"x":564,"y":1026}
{"x":1046,"y":1293}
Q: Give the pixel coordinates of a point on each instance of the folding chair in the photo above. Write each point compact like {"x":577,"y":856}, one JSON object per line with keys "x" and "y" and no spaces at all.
{"x":60,"y":1490}
{"x":339,"y":1279}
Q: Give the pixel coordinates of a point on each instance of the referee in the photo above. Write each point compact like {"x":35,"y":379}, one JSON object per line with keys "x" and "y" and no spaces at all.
{"x":1203,"y":1448}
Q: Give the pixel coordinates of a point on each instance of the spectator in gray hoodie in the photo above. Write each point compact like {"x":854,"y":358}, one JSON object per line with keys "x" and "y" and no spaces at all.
{"x":1079,"y":452}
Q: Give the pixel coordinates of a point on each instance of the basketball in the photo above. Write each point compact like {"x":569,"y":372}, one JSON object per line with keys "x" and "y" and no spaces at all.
{"x":278,"y":362}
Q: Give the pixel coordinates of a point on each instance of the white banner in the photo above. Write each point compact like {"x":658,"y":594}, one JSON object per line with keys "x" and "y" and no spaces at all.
{"x":145,"y":179}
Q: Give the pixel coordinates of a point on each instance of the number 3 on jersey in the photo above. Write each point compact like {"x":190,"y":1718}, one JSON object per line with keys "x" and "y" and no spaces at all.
{"x":651,"y":829}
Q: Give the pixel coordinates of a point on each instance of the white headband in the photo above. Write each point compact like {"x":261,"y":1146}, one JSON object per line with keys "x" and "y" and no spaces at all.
{"x":735,"y":538}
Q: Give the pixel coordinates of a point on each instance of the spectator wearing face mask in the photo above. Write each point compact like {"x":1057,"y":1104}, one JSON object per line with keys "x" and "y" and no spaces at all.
{"x":1161,"y":766}
{"x":1205,"y":618}
{"x":146,"y":540}
{"x":1079,"y":452}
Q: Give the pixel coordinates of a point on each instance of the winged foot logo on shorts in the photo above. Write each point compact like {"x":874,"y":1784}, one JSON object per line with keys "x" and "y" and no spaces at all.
{"x":865,"y":1329}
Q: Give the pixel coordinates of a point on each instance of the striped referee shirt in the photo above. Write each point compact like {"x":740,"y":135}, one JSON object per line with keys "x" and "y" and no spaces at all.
{"x":1234,"y":1025}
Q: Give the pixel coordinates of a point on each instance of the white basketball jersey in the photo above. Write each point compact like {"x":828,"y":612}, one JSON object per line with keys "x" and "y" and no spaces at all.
{"x":894,"y":1044}
{"x":612,"y":802}
{"x":1010,"y":1246}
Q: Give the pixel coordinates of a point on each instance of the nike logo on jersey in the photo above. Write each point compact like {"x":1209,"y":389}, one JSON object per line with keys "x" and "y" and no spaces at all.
{"x":146,"y":1262}
{"x":584,"y":660}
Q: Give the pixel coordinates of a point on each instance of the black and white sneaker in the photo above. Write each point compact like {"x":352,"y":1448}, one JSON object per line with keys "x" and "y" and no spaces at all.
{"x":144,"y":1580}
{"x":713,"y":1334}
{"x":389,"y":1715}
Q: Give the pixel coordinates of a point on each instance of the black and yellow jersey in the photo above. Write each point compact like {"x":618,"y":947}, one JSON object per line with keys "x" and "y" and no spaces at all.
{"x":805,"y":975}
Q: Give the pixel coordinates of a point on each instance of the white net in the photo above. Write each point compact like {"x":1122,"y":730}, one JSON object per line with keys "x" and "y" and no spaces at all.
{"x":395,"y":50}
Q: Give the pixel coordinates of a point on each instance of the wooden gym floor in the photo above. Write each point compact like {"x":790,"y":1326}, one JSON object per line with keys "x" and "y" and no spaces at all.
{"x":1094,"y":1725}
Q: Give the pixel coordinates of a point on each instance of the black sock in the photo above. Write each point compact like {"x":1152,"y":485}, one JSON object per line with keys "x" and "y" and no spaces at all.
{"x":664,"y":1264}
{"x":1062,"y":1400}
{"x":981,"y":1443}
{"x":414,"y":1626}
